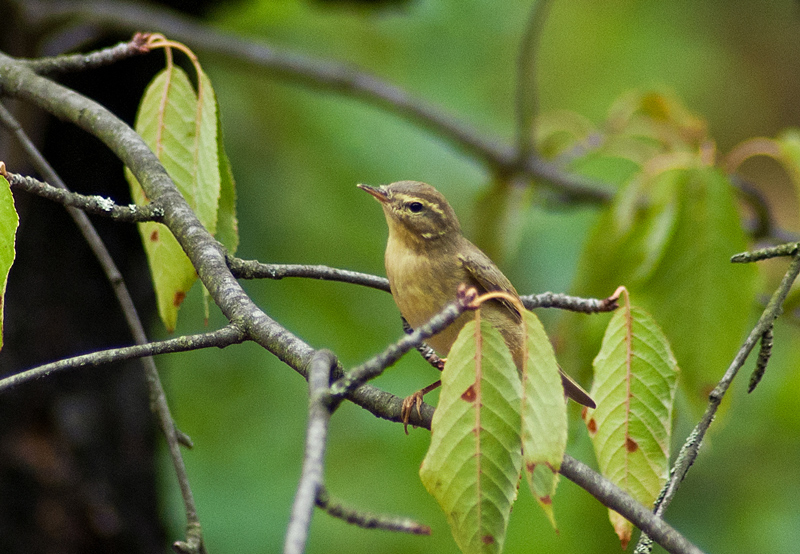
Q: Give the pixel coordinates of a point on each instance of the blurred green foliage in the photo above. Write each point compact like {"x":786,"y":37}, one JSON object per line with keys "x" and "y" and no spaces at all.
{"x":297,"y":155}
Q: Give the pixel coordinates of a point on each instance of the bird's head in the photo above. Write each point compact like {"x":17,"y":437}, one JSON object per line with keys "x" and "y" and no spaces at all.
{"x":416,"y":212}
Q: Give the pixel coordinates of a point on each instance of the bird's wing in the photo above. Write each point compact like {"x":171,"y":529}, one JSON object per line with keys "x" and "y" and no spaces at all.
{"x":488,"y":277}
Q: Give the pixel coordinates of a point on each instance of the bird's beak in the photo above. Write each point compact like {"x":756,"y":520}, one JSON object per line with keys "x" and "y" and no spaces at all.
{"x":378,"y":192}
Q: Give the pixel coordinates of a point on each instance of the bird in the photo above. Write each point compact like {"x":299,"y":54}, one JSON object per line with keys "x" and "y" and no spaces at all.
{"x":428,"y":258}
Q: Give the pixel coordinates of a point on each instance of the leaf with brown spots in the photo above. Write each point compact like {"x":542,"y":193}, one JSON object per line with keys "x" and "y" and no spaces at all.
{"x":634,"y":387}
{"x":473,"y":464}
{"x":181,"y":125}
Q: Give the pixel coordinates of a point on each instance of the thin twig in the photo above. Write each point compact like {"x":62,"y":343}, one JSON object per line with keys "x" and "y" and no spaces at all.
{"x":253,"y":269}
{"x":764,"y":354}
{"x":368,"y":520}
{"x":691,"y":446}
{"x":427,"y":353}
{"x":97,"y":205}
{"x":221,"y":338}
{"x":788,"y":249}
{"x":571,"y":303}
{"x":319,"y":415}
{"x":158,"y":399}
{"x":82,"y":62}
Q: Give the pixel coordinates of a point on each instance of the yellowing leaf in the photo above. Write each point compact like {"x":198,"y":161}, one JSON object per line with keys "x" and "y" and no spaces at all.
{"x":473,"y":464}
{"x":181,"y":127}
{"x":544,"y":416}
{"x":9,"y":220}
{"x":634,"y":387}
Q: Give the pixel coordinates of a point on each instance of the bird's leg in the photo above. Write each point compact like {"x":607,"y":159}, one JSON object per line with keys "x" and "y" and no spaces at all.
{"x":415,"y":400}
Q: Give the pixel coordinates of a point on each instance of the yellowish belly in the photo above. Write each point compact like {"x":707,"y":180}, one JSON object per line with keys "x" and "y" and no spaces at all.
{"x":421,"y":292}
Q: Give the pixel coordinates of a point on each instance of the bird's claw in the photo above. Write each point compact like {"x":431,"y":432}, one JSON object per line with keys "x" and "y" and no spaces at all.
{"x":410,"y":402}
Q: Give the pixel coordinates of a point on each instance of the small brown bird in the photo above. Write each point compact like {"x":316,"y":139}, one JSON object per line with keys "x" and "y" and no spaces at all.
{"x":427,"y":258}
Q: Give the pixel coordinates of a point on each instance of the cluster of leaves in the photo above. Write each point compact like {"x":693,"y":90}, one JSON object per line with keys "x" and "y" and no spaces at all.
{"x":667,"y":235}
{"x":491,"y":423}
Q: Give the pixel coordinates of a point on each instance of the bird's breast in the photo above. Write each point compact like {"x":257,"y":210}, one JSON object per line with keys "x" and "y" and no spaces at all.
{"x":422,"y":284}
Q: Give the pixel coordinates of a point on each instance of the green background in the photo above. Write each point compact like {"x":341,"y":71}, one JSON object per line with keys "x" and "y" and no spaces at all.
{"x":297,"y":155}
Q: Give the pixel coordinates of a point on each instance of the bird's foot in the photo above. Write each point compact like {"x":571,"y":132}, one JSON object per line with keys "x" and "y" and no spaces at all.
{"x":415,"y":401}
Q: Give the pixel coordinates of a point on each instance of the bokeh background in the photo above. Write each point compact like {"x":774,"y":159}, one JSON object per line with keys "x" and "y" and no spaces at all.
{"x":297,"y":155}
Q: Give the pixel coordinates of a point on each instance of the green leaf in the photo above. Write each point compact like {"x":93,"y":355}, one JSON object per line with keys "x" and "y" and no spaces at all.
{"x":634,"y":387}
{"x":206,"y":175}
{"x":473,"y":464}
{"x":227,"y":223}
{"x":544,"y":416}
{"x":181,"y":127}
{"x":9,"y":220}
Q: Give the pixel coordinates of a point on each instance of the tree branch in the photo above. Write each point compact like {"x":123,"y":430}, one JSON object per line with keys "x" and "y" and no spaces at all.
{"x":97,"y":205}
{"x":764,"y":354}
{"x":368,"y":520}
{"x":618,"y":500}
{"x":221,"y":338}
{"x":788,"y":249}
{"x":323,"y":75}
{"x":253,"y":269}
{"x":375,"y":366}
{"x":319,"y":415}
{"x":571,"y":303}
{"x":82,"y":62}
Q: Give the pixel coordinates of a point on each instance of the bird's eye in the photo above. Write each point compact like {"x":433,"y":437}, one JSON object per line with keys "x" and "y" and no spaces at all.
{"x":415,"y":207}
